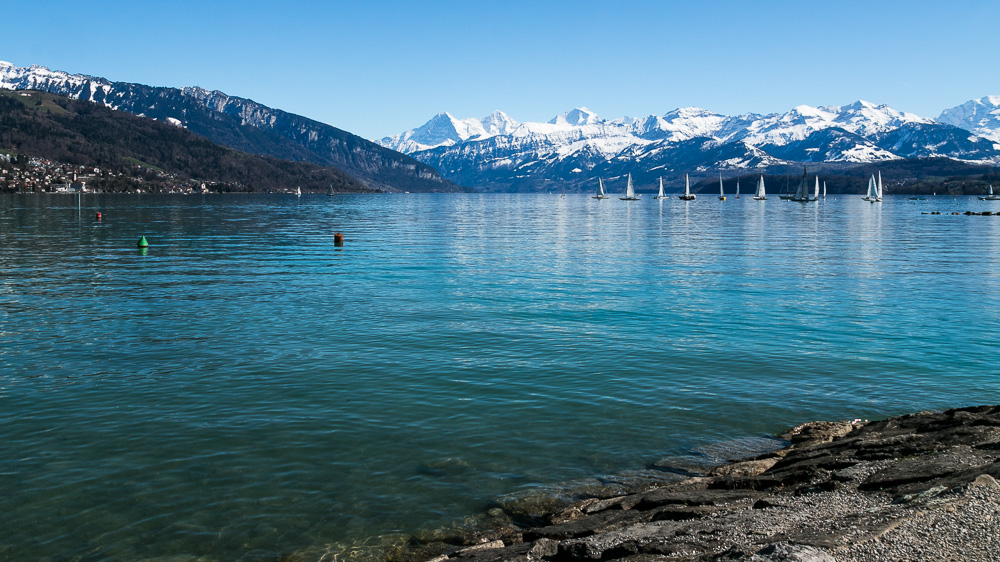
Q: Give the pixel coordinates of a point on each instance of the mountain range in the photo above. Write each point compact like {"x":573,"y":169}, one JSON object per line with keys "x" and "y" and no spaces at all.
{"x":240,"y":124}
{"x":497,"y":153}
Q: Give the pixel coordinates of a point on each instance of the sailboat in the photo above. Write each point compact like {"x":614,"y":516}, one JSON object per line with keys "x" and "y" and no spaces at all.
{"x":688,"y":196}
{"x":660,"y":195}
{"x":760,"y":195}
{"x":816,"y":191}
{"x":329,"y":192}
{"x":298,"y":192}
{"x":802,"y":193}
{"x":990,"y":197}
{"x":871,"y":189}
{"x":874,"y":194}
{"x":785,"y":195}
{"x":600,"y":190}
{"x":737,"y":188}
{"x":722,"y":194}
{"x":824,"y":190}
{"x":629,"y":191}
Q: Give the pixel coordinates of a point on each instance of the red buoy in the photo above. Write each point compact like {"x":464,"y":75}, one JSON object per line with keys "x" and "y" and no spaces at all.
{"x":98,"y":216}
{"x":338,"y":239}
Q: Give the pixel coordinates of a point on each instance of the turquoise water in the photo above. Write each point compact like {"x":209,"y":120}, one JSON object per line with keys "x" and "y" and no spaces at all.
{"x":245,"y":389}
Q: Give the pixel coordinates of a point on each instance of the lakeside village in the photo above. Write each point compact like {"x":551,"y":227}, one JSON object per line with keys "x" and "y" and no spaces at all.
{"x":21,"y":173}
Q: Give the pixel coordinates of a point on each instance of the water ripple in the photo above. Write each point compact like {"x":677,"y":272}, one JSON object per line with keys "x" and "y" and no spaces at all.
{"x":245,"y":388}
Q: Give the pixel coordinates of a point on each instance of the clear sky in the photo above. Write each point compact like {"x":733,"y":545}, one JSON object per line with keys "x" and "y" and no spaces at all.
{"x":377,"y":68}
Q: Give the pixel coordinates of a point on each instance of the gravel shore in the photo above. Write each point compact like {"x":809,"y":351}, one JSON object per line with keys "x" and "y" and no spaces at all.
{"x":918,"y":487}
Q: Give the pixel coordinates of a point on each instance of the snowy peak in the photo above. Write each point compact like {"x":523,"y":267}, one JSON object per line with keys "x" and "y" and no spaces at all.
{"x":445,"y":130}
{"x":576,"y":117}
{"x":498,"y":123}
{"x":866,"y":118}
{"x":981,"y":116}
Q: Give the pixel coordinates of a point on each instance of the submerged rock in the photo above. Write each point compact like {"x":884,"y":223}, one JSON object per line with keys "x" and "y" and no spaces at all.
{"x":839,"y":491}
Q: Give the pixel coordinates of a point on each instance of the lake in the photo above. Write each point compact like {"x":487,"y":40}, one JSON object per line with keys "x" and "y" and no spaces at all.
{"x":246,"y":389}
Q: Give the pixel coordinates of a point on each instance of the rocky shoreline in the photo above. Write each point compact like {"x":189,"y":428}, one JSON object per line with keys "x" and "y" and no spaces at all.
{"x":917,"y":487}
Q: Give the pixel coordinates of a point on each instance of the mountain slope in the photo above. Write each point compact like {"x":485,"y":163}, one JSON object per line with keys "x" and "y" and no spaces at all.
{"x":82,"y":133}
{"x":241,"y":124}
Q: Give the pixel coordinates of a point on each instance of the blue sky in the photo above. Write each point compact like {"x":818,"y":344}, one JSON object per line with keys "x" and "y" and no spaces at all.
{"x":377,"y":68}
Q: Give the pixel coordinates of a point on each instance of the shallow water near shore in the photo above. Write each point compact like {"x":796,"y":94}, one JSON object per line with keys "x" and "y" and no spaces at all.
{"x":246,"y":389}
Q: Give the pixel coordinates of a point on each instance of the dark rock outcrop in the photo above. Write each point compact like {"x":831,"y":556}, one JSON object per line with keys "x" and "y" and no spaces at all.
{"x":835,"y":489}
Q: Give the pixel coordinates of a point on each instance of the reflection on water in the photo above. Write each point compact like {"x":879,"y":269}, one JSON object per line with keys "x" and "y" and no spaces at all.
{"x":245,"y":388}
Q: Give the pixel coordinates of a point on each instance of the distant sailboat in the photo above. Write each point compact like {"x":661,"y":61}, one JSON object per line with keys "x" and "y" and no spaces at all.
{"x":871,"y":189}
{"x":298,"y":192}
{"x":722,"y":194}
{"x":816,"y":191}
{"x":329,"y":192}
{"x":785,"y":195}
{"x":874,"y":194}
{"x":629,"y":191}
{"x":688,"y":196}
{"x":824,"y":190}
{"x":760,"y":195}
{"x":600,"y":190}
{"x":737,"y":188}
{"x":802,"y":193}
{"x":990,"y":197}
{"x":660,"y":195}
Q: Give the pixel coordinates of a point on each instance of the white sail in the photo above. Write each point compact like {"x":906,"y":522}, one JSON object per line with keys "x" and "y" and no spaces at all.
{"x":824,"y":190}
{"x":879,"y":192}
{"x":761,"y":194}
{"x":687,"y":185}
{"x":629,"y":191}
{"x":660,"y":194}
{"x":816,"y":194}
{"x":737,"y":188}
{"x":991,"y":189}
{"x":721,"y":192}
{"x":298,"y":191}
{"x":600,"y":187}
{"x":870,"y":194}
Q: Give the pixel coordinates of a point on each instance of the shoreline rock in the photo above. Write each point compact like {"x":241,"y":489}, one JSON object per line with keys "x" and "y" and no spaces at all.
{"x":920,"y":486}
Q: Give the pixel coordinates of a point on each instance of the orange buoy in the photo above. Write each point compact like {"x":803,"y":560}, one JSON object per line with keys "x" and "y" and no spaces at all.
{"x":338,"y":239}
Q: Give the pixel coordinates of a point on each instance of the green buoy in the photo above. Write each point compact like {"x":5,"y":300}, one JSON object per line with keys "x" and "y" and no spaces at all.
{"x":143,"y":243}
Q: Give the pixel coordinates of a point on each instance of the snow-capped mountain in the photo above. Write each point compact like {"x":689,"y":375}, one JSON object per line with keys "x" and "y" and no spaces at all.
{"x":577,"y":145}
{"x":445,"y":130}
{"x":981,"y":116}
{"x":241,"y":124}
